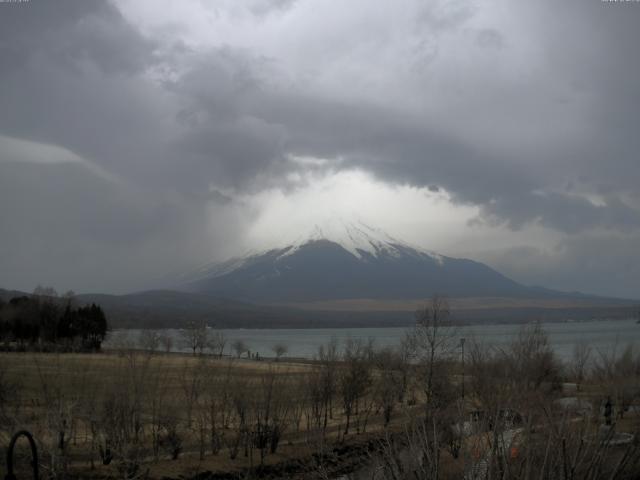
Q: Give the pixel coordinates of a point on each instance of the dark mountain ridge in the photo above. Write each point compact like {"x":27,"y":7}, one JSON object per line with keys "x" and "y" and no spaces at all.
{"x":175,"y":309}
{"x":322,"y":269}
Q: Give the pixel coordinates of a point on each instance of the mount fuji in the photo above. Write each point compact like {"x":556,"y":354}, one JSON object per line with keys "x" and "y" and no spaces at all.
{"x":341,"y":260}
{"x":342,"y":274}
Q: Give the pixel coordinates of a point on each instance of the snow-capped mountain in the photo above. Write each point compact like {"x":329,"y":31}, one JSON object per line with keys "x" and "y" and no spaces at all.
{"x":348,"y":260}
{"x":358,"y":238}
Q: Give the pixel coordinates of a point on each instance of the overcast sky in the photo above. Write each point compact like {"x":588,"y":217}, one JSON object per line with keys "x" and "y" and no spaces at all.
{"x":142,"y":137}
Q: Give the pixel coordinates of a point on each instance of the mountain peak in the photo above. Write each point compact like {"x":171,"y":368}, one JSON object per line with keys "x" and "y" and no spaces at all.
{"x":356,"y":237}
{"x":364,"y":242}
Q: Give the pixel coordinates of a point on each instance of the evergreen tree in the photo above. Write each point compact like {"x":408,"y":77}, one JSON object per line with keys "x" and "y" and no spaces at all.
{"x":46,"y":319}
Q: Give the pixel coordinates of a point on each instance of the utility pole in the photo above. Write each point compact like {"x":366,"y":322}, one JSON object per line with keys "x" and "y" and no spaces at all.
{"x":462,"y":346}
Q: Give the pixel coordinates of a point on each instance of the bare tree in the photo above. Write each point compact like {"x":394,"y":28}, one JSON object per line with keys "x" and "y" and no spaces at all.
{"x":60,"y":412}
{"x":355,"y":377}
{"x":192,"y":382}
{"x":618,"y":374}
{"x":158,"y":407}
{"x":314,"y":412}
{"x":239,"y":347}
{"x":238,"y":422}
{"x":218,"y":405}
{"x":216,"y":342}
{"x":195,"y":336}
{"x":166,"y":341}
{"x":172,"y":437}
{"x":121,"y":423}
{"x":579,"y":362}
{"x":279,"y":349}
{"x":269,"y":409}
{"x":149,"y":340}
{"x":299,"y":400}
{"x":434,"y":340}
{"x":390,"y":382}
{"x":328,"y":358}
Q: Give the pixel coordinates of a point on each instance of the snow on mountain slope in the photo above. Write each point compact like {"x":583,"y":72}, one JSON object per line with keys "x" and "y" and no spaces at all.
{"x":217,"y":269}
{"x":357,"y":238}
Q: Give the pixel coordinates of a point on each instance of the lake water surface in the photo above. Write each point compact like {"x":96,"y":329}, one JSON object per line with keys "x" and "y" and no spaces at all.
{"x":602,"y":335}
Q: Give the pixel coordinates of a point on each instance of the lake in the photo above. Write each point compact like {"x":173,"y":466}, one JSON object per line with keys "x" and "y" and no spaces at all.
{"x":602,"y":335}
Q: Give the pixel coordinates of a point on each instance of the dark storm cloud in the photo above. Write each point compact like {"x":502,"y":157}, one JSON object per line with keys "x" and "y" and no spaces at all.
{"x":182,"y":126}
{"x":568,"y":213}
{"x":246,"y":128}
{"x":72,"y":79}
{"x":70,"y":33}
{"x":74,"y":75}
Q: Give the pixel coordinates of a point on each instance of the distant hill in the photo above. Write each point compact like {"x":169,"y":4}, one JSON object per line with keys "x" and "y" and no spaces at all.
{"x":174,"y":309}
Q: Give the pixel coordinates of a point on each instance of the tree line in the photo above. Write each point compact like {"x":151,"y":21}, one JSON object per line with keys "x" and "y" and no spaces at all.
{"x":47,"y":321}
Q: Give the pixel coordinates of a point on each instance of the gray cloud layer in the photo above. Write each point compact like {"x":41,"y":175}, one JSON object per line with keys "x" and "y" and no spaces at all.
{"x":531,"y":116}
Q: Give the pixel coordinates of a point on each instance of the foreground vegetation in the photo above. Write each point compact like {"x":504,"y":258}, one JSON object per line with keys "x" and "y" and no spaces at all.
{"x":422,"y":410}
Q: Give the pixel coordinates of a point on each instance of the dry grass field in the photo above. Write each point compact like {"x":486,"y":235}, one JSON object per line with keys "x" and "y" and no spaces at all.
{"x":400,"y":412}
{"x":174,"y":414}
